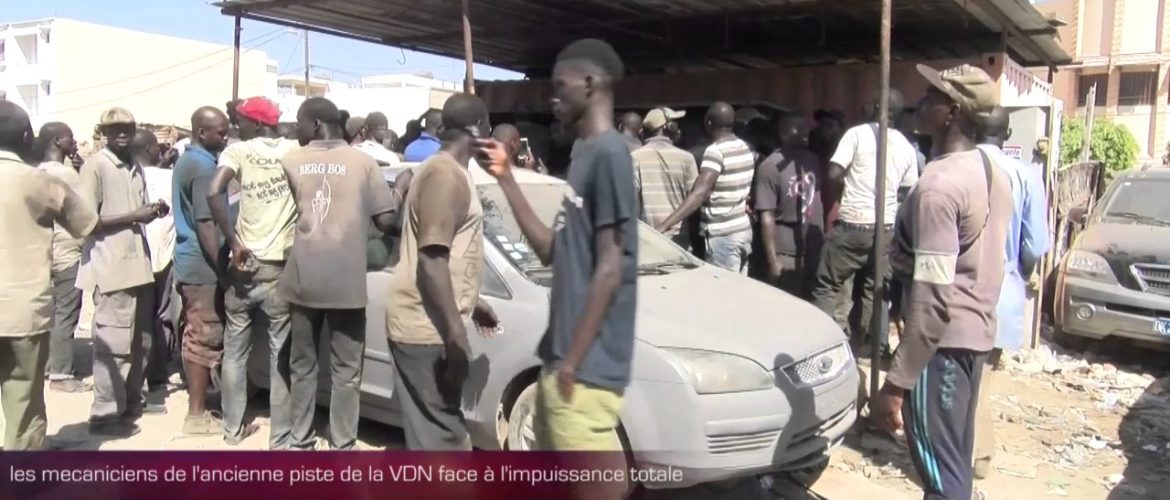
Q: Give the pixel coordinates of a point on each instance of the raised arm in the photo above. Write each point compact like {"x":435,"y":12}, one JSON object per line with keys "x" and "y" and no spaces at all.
{"x":494,"y":158}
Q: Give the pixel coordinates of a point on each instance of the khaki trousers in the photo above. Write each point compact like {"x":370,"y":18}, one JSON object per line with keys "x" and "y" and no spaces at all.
{"x":22,"y":390}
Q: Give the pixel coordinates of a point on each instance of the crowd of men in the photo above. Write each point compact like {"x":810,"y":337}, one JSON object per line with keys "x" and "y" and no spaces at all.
{"x":260,"y":233}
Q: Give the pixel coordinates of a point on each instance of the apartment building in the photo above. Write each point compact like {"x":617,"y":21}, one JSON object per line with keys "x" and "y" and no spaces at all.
{"x":1122,"y":46}
{"x":65,"y":70}
{"x":402,"y":97}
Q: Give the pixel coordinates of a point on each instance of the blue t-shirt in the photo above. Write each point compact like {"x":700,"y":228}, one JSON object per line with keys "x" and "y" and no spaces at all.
{"x":190,"y":185}
{"x":422,"y":148}
{"x":601,"y":193}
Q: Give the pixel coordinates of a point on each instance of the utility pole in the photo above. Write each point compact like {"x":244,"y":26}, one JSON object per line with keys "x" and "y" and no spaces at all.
{"x":877,"y":319}
{"x":236,"y":63}
{"x":1091,"y":103}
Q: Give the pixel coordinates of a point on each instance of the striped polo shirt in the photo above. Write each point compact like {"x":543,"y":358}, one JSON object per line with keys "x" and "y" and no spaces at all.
{"x":726,"y":211}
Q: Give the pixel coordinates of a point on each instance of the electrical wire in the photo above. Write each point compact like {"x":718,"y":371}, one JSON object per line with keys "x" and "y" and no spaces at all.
{"x":156,"y":87}
{"x":291,"y":53}
{"x":279,"y":32}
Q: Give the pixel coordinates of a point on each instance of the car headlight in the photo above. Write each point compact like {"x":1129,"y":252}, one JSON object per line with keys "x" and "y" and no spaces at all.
{"x":1089,"y":265}
{"x":718,"y":372}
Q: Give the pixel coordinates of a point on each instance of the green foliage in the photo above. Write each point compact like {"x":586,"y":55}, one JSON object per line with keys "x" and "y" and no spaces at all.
{"x":1113,"y":144}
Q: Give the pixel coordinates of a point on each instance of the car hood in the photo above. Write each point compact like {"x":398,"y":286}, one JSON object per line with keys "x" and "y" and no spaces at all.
{"x":1124,"y":244}
{"x":715,"y":310}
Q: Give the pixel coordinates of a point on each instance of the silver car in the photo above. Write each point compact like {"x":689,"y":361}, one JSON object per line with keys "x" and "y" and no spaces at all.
{"x":1115,"y":280}
{"x":731,"y":377}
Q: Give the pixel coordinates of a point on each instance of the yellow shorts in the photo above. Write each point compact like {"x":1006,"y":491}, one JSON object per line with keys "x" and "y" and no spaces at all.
{"x":586,"y":422}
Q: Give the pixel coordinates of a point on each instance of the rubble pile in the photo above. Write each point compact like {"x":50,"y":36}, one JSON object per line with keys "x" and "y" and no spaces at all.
{"x":1071,"y":439}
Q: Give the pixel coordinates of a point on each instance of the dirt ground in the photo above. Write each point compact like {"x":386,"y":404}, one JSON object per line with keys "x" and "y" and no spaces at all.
{"x":1069,"y":425}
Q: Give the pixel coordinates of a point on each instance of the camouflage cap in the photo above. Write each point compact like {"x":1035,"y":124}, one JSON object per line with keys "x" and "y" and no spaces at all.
{"x":969,"y":86}
{"x":116,"y":115}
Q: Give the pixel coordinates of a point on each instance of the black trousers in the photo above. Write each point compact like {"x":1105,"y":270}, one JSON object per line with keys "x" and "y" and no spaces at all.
{"x":431,"y":415}
{"x":939,"y":415}
{"x":848,"y":251}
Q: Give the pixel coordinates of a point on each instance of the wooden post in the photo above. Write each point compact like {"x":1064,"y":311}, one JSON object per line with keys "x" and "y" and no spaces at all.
{"x":1091,"y":104}
{"x":469,"y":72}
{"x":236,"y":63}
{"x":306,"y":34}
{"x":878,"y":320}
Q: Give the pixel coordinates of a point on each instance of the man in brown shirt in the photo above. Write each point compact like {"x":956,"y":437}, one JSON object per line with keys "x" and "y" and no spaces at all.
{"x":948,"y":250}
{"x":435,"y":288}
{"x":115,"y":267}
{"x":338,"y":192}
{"x":31,"y":201}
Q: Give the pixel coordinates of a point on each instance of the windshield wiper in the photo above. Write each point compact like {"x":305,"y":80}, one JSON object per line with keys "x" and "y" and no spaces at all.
{"x":1140,"y":218}
{"x":664,"y":267}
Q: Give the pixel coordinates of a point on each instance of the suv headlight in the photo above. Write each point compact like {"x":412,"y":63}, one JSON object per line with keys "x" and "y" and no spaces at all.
{"x":719,"y":372}
{"x":1089,"y":265}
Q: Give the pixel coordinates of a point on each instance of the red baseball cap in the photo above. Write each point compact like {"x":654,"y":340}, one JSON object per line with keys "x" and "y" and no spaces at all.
{"x":259,"y":109}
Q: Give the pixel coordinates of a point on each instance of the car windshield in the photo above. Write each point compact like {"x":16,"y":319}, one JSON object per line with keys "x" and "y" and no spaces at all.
{"x":656,"y":253}
{"x":1142,"y":201}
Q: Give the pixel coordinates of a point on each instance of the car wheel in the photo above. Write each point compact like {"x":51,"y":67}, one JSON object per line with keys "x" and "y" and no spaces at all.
{"x":1070,"y":341}
{"x":521,"y":436}
{"x":808,"y":476}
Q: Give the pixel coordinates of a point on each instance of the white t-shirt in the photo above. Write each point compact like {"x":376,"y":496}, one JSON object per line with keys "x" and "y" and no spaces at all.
{"x":160,"y":233}
{"x":857,"y":152}
{"x":268,"y":214}
{"x":379,"y":153}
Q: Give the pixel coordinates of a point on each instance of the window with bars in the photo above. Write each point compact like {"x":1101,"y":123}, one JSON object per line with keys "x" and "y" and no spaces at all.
{"x":1085,"y":82}
{"x":1137,"y":88}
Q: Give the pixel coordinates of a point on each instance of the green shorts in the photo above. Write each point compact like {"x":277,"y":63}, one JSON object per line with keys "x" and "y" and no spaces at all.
{"x":586,"y":422}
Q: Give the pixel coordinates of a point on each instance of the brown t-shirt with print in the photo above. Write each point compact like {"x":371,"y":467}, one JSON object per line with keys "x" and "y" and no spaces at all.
{"x":442,"y":210}
{"x":338,"y":190}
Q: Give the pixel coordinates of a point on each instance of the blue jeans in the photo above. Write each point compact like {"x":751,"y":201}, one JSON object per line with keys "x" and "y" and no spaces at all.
{"x":730,"y":251}
{"x":253,"y":300}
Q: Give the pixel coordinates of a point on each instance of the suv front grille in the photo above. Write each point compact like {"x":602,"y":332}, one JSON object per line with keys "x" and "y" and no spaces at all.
{"x":1153,"y":278}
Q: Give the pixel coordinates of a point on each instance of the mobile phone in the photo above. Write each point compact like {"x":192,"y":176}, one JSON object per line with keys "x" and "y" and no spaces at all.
{"x":525,"y":151}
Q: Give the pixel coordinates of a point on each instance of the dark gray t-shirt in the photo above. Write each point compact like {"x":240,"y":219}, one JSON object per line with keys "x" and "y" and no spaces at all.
{"x":337,"y":189}
{"x":788,"y":186}
{"x":601,"y":193}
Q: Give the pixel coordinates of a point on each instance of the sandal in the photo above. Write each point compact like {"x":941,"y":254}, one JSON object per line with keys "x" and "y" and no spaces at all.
{"x":209,"y":423}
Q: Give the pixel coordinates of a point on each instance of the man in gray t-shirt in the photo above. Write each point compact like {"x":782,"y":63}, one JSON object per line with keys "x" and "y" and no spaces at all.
{"x":339,"y":191}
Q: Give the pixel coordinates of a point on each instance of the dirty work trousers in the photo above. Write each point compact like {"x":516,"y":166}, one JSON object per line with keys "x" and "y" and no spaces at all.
{"x":255,"y":307}
{"x":66,"y":313}
{"x":939,"y":415}
{"x":122,"y":321}
{"x":347,"y":345}
{"x":848,"y":250}
{"x":163,"y":340}
{"x":431,"y":414}
{"x":22,"y":390}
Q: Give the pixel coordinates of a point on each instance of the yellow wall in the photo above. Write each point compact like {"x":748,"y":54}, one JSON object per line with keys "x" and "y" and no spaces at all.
{"x":160,"y":79}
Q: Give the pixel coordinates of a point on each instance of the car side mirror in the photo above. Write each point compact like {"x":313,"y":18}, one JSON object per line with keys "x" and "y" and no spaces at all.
{"x":1078,"y":215}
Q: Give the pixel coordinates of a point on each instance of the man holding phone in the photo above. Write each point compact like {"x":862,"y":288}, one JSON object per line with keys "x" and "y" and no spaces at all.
{"x":517,"y":147}
{"x":116,"y":269}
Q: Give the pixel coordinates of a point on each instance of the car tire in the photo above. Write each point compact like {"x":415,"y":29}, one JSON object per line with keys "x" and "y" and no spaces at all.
{"x":1070,"y":341}
{"x":521,"y":420}
{"x":809,"y":476}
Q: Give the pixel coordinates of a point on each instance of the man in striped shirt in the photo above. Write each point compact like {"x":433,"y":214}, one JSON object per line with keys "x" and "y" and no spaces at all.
{"x":663,"y":173}
{"x":725,"y":178}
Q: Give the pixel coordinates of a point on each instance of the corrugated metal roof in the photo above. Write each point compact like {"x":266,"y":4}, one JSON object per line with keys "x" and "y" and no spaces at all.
{"x":668,"y":36}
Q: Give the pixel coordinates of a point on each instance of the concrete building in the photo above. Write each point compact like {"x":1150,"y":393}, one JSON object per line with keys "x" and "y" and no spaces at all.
{"x":1123,"y":46}
{"x":64,"y":70}
{"x":402,"y":97}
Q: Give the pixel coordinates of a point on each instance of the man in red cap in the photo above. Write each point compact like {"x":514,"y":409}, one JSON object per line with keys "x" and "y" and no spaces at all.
{"x":262,"y":235}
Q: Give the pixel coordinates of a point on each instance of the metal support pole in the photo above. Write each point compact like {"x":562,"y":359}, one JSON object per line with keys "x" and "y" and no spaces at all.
{"x":1091,"y":104}
{"x":469,"y":72}
{"x":236,"y":62}
{"x":306,"y":35}
{"x":879,"y":247}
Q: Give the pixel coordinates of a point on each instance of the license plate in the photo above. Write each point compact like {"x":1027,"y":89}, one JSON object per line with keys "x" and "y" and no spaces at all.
{"x":1162,"y":326}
